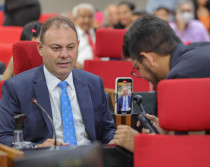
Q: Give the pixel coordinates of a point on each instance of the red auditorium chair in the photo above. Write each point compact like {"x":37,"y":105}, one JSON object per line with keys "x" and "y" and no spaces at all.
{"x":25,"y":56}
{"x":5,"y":52}
{"x":183,"y":105}
{"x":45,"y":16}
{"x":1,"y":83}
{"x":9,"y":35}
{"x":1,"y":17}
{"x":109,"y":44}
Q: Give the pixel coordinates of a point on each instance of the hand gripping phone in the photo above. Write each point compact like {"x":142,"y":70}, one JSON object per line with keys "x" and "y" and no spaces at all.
{"x":142,"y":116}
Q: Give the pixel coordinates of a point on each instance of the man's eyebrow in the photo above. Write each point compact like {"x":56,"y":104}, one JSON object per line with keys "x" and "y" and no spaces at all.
{"x":54,"y":44}
{"x":73,"y":43}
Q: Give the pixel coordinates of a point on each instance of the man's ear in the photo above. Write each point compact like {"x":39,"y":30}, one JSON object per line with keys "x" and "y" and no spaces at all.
{"x":39,"y":47}
{"x":148,"y":56}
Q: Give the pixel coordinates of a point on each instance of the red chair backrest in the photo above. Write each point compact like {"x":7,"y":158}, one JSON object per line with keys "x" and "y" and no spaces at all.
{"x":5,"y":52}
{"x":10,"y":34}
{"x":109,"y":42}
{"x":1,"y":84}
{"x":184,"y":104}
{"x":25,"y":56}
{"x":170,"y":150}
{"x":1,"y":17}
{"x":110,"y":70}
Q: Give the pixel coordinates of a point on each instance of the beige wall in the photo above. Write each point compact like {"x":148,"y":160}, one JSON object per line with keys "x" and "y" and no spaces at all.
{"x":64,"y":5}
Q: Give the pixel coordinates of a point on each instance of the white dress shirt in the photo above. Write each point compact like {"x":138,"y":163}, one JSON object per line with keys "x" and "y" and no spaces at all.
{"x":54,"y":93}
{"x":85,"y":51}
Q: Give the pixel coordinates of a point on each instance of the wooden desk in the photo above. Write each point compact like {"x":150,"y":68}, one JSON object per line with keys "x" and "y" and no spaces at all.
{"x":120,"y":120}
{"x":8,"y":155}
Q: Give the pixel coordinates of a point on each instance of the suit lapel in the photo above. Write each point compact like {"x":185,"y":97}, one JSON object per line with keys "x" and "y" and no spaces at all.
{"x":85,"y":103}
{"x":42,"y":95}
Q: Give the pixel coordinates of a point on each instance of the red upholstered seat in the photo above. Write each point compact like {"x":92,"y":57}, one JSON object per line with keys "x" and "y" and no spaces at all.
{"x":25,"y":56}
{"x":1,"y":17}
{"x":109,"y":42}
{"x":5,"y":52}
{"x":110,"y":70}
{"x":186,"y":100}
{"x":8,"y":36}
{"x":1,"y":84}
{"x":173,"y":151}
{"x":183,"y":104}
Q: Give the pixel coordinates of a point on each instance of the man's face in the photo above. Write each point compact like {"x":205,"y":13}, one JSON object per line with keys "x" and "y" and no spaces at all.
{"x":59,"y":51}
{"x":84,"y":19}
{"x":125,"y":91}
{"x":185,"y":7}
{"x":125,"y":15}
{"x":146,"y":71}
{"x":162,"y":14}
{"x":112,"y":16}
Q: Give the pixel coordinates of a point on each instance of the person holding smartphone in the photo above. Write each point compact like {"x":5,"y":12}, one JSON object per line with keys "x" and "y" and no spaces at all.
{"x":158,"y":54}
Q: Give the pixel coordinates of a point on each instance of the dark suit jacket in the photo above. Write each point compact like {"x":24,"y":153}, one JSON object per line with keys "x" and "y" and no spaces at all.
{"x":120,"y":102}
{"x":17,"y":95}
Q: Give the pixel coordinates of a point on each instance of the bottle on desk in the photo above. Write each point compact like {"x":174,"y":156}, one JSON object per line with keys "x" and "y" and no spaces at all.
{"x":18,"y":142}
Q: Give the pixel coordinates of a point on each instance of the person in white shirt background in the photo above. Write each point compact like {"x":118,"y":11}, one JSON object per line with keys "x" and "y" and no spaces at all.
{"x":83,"y":15}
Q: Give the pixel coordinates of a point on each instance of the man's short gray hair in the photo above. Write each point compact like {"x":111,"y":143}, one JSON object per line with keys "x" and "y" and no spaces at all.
{"x":82,"y":6}
{"x":186,"y":2}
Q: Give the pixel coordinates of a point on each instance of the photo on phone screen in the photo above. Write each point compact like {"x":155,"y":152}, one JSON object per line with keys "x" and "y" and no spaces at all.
{"x":123,"y":89}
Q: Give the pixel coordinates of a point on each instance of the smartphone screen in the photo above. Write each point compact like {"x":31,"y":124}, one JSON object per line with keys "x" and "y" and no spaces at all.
{"x":124,"y":88}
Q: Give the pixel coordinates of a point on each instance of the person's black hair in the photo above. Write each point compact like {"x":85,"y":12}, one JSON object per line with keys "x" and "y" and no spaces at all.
{"x":139,"y":12}
{"x":149,"y":34}
{"x":163,"y":8}
{"x":131,"y":5}
{"x":30,"y":30}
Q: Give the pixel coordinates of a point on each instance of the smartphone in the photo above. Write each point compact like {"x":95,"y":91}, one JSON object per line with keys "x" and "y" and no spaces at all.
{"x":123,"y":92}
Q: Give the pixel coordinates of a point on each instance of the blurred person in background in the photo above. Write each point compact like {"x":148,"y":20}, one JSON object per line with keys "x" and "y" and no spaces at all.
{"x":137,"y":13}
{"x":152,"y":5}
{"x":186,"y":27}
{"x":111,"y":16}
{"x":125,"y":12}
{"x":21,"y":12}
{"x":30,"y":33}
{"x":83,"y":14}
{"x":163,"y":13}
{"x":202,"y":12}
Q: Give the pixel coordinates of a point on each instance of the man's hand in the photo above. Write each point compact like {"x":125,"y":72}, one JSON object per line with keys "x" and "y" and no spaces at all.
{"x":124,"y":137}
{"x":50,"y":142}
{"x":155,"y":122}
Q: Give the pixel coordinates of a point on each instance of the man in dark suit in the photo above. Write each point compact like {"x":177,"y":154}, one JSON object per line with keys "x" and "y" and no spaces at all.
{"x":158,"y":54}
{"x":82,"y":97}
{"x":124,"y":102}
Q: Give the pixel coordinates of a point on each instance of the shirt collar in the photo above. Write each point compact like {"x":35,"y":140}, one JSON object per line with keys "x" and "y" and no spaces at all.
{"x":81,"y":32}
{"x":175,"y":55}
{"x":52,"y":81}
